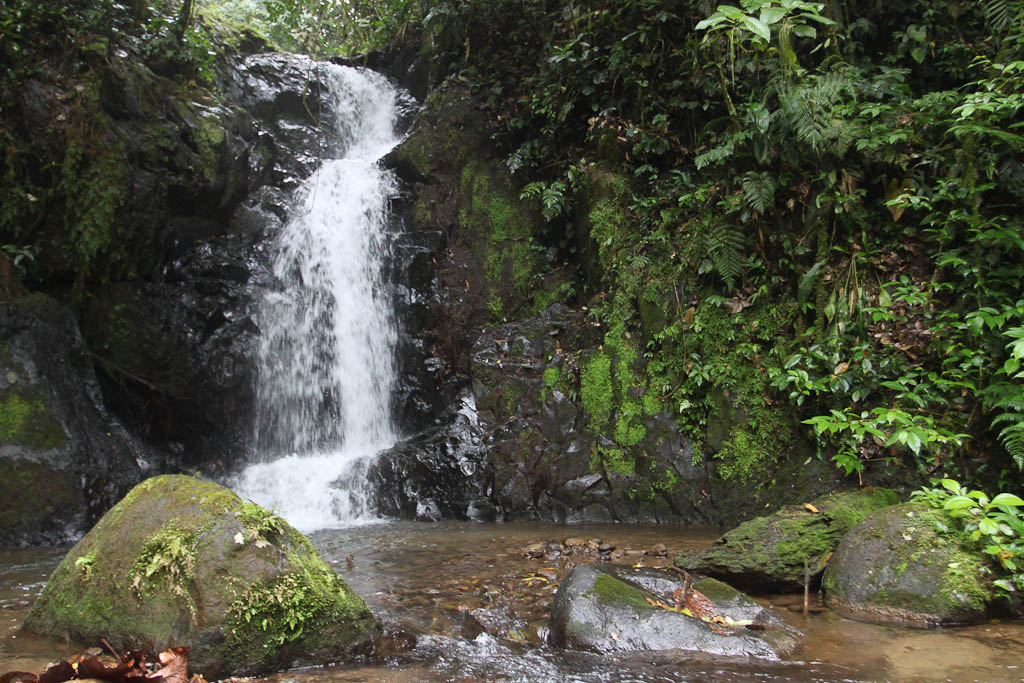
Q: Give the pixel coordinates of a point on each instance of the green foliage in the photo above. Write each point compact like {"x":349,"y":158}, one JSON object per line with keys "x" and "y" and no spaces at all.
{"x":263,"y":526}
{"x":167,"y":558}
{"x":283,"y":609}
{"x":596,"y":389}
{"x":996,"y":523}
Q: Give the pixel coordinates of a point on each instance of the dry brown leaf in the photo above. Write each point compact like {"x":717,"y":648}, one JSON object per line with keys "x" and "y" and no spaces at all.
{"x":174,"y":666}
{"x":699,"y":604}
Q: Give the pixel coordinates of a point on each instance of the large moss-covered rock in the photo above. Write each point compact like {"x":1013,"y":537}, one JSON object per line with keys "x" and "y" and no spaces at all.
{"x":607,"y":609}
{"x":63,"y":460}
{"x":181,"y":561}
{"x":773,"y":552}
{"x":897,"y":566}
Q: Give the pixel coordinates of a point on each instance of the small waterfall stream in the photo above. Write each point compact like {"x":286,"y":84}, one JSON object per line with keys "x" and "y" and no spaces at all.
{"x":326,"y":356}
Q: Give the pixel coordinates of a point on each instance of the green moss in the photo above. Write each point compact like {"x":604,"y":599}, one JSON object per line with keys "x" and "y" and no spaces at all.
{"x":612,"y":459}
{"x":550,"y":376}
{"x":26,"y":420}
{"x":274,"y":613}
{"x":610,"y":590}
{"x":716,"y":591}
{"x":596,"y":389}
{"x":182,"y":561}
{"x":849,"y":508}
{"x":627,"y":432}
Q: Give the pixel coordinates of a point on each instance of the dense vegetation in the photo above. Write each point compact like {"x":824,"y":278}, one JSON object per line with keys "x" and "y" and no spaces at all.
{"x":820,"y":198}
{"x":821,"y":208}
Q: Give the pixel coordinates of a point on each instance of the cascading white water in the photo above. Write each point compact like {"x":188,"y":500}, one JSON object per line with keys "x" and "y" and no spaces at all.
{"x":326,"y":356}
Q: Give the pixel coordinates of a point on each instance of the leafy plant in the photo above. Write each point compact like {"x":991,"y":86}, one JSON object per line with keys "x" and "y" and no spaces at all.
{"x":169,"y":555}
{"x":261,"y":525}
{"x":997,"y":523}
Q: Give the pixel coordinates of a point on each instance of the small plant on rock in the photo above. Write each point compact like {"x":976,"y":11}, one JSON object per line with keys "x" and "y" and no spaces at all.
{"x":997,"y":522}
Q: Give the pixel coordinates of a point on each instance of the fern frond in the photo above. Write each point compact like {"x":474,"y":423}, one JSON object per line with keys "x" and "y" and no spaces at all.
{"x":715,"y":155}
{"x":725,"y":244}
{"x":758,"y":190}
{"x":1001,"y":14}
{"x":1012,"y":438}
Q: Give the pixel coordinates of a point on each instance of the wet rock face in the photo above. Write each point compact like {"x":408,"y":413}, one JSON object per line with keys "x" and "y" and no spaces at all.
{"x":181,"y":561}
{"x":440,"y":473}
{"x":897,"y":567}
{"x":606,"y":609}
{"x":773,"y":552}
{"x":63,"y":459}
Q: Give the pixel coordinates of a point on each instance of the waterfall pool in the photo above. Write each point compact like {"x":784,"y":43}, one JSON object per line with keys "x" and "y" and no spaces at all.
{"x":477,"y":606}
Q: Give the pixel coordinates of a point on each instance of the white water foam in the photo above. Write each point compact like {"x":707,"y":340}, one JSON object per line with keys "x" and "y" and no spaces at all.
{"x":326,"y":356}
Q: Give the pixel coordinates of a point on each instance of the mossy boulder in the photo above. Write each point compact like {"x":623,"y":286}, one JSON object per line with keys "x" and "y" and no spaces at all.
{"x":180,"y":561}
{"x":607,"y":609}
{"x":897,"y":566}
{"x":773,"y":552}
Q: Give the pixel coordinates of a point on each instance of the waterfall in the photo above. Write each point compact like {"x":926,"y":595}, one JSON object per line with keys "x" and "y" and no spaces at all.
{"x":326,"y":368}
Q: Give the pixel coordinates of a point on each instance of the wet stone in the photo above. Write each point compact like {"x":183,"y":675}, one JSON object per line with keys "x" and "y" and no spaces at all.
{"x":535,"y":550}
{"x":601,"y":608}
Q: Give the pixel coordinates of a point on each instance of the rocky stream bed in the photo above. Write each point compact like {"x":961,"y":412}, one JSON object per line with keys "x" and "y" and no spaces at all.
{"x":467,"y":601}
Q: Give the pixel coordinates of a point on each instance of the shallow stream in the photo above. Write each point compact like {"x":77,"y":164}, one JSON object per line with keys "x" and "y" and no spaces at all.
{"x":477,"y":604}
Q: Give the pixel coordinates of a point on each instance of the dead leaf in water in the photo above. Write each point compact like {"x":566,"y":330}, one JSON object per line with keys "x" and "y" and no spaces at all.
{"x":174,"y":667}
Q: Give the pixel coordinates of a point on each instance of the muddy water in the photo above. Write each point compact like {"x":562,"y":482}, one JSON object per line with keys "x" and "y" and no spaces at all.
{"x":477,"y":604}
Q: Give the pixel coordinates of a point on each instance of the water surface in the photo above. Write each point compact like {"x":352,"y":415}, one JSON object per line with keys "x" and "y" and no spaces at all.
{"x":478,"y":607}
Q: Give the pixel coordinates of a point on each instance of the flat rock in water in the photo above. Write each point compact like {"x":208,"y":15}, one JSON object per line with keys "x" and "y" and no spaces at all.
{"x":897,"y":567}
{"x":181,"y":561}
{"x":607,"y":609}
{"x":770,"y":552}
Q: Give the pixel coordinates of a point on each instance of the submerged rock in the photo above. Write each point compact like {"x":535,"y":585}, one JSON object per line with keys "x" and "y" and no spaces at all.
{"x":180,"y":561}
{"x":898,"y":567}
{"x":63,"y":459}
{"x":606,"y":609}
{"x":770,"y":552}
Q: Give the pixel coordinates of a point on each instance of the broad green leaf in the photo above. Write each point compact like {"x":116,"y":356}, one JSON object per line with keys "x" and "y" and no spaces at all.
{"x":1007,"y":499}
{"x":958,"y":503}
{"x":987,"y":526}
{"x":770,"y":15}
{"x":755,"y":26}
{"x":914,"y":442}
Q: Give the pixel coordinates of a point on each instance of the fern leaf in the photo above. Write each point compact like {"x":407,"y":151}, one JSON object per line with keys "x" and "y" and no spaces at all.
{"x":725,"y":244}
{"x":759,"y":190}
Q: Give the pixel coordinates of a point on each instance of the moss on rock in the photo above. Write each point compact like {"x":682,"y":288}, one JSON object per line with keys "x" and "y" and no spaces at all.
{"x":898,"y":566}
{"x":772,"y":552}
{"x":180,"y":561}
{"x":25,"y":419}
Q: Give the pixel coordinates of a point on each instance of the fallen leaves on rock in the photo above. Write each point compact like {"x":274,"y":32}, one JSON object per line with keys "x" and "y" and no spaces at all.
{"x":129,"y":668}
{"x":692,"y":603}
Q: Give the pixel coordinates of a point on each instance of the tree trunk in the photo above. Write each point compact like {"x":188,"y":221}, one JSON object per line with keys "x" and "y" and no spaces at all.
{"x":183,"y":19}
